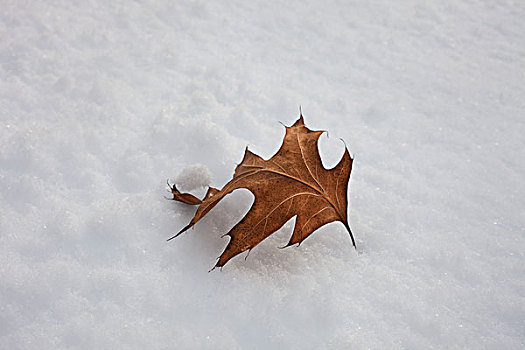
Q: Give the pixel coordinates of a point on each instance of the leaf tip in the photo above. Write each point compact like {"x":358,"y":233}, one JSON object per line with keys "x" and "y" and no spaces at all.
{"x":350,"y":233}
{"x":181,"y":231}
{"x":299,"y":122}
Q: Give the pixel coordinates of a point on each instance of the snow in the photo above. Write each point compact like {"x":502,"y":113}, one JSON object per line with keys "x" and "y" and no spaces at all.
{"x":101,"y":102}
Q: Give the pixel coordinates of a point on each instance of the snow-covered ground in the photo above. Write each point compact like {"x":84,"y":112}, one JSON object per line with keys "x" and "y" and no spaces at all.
{"x":102,"y":101}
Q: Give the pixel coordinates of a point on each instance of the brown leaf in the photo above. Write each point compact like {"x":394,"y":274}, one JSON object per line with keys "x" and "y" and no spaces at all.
{"x":291,"y":183}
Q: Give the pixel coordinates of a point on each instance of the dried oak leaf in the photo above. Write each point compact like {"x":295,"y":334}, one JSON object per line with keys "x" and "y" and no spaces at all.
{"x":291,"y":183}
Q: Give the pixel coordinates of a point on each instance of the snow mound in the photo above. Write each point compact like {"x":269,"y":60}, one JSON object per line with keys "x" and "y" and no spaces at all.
{"x":193,"y":177}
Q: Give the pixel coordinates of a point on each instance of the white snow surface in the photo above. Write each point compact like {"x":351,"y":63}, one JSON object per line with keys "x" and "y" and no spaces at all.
{"x":102,"y":101}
